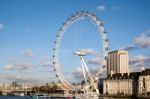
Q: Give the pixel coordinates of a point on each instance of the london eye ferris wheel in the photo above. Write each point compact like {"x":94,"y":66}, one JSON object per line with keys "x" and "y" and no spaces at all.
{"x":60,"y":62}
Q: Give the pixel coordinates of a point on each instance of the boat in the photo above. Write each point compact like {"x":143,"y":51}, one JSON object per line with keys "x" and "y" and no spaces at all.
{"x":22,"y":94}
{"x":87,"y":96}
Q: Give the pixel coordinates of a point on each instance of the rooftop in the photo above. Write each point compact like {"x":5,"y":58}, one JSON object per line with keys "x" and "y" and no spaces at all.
{"x":131,"y":75}
{"x":145,"y":72}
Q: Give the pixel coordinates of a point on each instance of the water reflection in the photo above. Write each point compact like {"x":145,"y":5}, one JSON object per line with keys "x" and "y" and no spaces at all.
{"x":28,"y":97}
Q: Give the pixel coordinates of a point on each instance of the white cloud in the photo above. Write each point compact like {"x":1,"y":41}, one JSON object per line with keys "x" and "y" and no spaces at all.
{"x":78,"y":74}
{"x":101,"y":8}
{"x":79,"y":69}
{"x":139,"y":58}
{"x":20,"y":78}
{"x":48,"y":67}
{"x":140,"y":42}
{"x":19,"y":66}
{"x":28,"y":53}
{"x":130,"y":47}
{"x":88,"y":51}
{"x":24,"y":65}
{"x":9,"y":67}
{"x":48,"y":64}
{"x":137,"y":61}
{"x":95,"y":61}
{"x":1,"y":26}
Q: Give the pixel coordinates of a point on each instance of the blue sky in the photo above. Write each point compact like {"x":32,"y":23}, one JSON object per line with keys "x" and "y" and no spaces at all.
{"x":28,"y":30}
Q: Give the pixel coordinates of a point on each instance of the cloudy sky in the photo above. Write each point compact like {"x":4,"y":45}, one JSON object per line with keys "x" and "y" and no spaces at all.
{"x":28,"y":30}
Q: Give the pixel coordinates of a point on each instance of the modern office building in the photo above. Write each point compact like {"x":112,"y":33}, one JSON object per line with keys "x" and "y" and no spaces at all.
{"x":117,"y":62}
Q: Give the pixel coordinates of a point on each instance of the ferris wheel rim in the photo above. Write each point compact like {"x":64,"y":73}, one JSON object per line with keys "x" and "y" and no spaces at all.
{"x":75,"y":17}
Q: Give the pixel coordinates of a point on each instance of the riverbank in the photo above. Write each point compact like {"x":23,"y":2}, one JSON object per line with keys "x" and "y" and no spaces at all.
{"x":126,"y":96}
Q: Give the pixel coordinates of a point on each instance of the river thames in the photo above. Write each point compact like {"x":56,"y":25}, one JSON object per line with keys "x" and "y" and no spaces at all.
{"x":28,"y":97}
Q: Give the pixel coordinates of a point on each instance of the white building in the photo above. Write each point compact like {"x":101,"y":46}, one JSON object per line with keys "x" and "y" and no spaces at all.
{"x":5,"y":88}
{"x":117,"y":62}
{"x":120,"y":81}
{"x":121,"y":84}
{"x":137,"y":83}
{"x":28,"y":85}
{"x":144,"y":83}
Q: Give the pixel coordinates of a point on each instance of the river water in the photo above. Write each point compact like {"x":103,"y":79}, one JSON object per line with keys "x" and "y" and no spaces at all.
{"x":28,"y":97}
{"x":23,"y":97}
{"x":14,"y":97}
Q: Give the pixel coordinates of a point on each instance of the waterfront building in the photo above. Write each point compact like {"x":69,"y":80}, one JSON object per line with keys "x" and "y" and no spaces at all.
{"x":120,"y":81}
{"x":15,"y":88}
{"x":121,"y":84}
{"x":144,"y":83}
{"x":28,"y":86}
{"x":57,"y":85}
{"x":5,"y":88}
{"x":1,"y":86}
{"x":117,"y":62}
{"x":131,"y":84}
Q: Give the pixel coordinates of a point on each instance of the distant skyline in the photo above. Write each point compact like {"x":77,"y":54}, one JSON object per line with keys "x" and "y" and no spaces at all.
{"x":28,"y":30}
